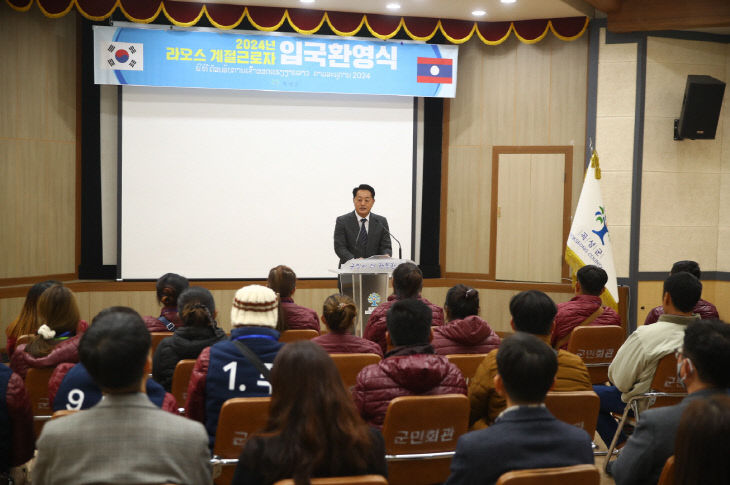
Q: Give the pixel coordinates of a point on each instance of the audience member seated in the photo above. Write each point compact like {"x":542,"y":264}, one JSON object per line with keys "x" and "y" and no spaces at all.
{"x":338,"y":315}
{"x":27,"y":322}
{"x":702,"y":449}
{"x":411,"y":368}
{"x":525,"y":435}
{"x":585,"y":308}
{"x":71,"y":387}
{"x":169,"y":288}
{"x":407,"y":284}
{"x":633,"y":367}
{"x":125,"y":438}
{"x":58,"y":336}
{"x":464,"y":332}
{"x":240,"y":366}
{"x":291,"y":316}
{"x":16,"y":424}
{"x":703,"y":308}
{"x":532,"y":312}
{"x":703,"y":365}
{"x":313,"y":428}
{"x":199,"y":330}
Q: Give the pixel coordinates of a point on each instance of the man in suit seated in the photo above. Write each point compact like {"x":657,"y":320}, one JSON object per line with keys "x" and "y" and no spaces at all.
{"x":703,"y":308}
{"x":525,"y":435}
{"x":361,"y":233}
{"x":585,"y":308}
{"x":124,"y":438}
{"x":532,"y":312}
{"x":703,"y":365}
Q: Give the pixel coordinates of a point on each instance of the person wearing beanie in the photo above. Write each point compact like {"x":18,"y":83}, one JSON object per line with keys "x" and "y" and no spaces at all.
{"x":240,"y":365}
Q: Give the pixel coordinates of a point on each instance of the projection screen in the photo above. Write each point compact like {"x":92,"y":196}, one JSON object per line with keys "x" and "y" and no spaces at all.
{"x":227,"y":184}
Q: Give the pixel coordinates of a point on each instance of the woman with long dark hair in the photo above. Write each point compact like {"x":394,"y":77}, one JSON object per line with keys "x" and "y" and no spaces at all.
{"x":313,"y":430}
{"x":701,"y":449}
{"x":27,"y":321}
{"x":57,"y":340}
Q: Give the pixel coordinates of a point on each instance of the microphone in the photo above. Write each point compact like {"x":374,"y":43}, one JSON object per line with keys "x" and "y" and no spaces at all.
{"x":400,"y":248}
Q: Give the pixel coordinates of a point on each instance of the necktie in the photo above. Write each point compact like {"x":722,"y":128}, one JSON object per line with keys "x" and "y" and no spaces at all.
{"x":362,"y":237}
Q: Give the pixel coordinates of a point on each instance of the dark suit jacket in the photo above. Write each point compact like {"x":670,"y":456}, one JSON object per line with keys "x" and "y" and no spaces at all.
{"x":528,"y":437}
{"x":642,"y":459}
{"x":347,"y":227}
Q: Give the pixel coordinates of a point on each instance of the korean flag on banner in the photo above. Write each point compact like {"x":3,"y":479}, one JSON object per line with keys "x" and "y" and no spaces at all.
{"x":121,"y":56}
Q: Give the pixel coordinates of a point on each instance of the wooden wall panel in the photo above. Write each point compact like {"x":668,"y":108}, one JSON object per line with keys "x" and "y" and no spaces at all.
{"x":37,"y":144}
{"x":521,"y":95}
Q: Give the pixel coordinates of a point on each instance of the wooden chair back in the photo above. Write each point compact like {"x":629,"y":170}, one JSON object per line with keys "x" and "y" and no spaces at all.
{"x":63,"y":412}
{"x":36,"y":383}
{"x":597,"y":346}
{"x":180,"y":380}
{"x":350,"y":365}
{"x":24,"y":339}
{"x":665,"y":381}
{"x":288,"y":336}
{"x":156,"y":339}
{"x":238,"y":419}
{"x":579,"y":408}
{"x":354,"y":480}
{"x":504,"y":333}
{"x":420,"y":434}
{"x":667,"y":477}
{"x":574,"y":475}
{"x":467,"y":363}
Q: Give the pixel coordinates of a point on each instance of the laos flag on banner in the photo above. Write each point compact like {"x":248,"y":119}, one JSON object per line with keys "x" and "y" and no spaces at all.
{"x":434,"y":70}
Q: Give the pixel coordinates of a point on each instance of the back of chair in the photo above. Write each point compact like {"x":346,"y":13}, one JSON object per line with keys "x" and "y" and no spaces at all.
{"x":180,"y":380}
{"x":667,"y":477}
{"x":504,"y":333}
{"x":156,"y":339}
{"x":597,"y":346}
{"x":579,"y":408}
{"x":573,"y":475}
{"x":24,"y":339}
{"x":288,"y":336}
{"x":354,"y":480}
{"x":665,"y":380}
{"x":63,"y":412}
{"x":36,"y":383}
{"x":467,"y":363}
{"x":350,"y":365}
{"x":420,"y":435}
{"x":238,"y":419}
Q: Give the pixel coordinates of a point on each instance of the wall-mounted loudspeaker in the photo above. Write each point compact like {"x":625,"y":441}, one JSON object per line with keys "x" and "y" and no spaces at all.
{"x":700,"y":108}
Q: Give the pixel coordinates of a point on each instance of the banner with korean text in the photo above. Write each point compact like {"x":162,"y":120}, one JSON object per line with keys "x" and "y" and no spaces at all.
{"x":589,"y":241}
{"x":208,"y":58}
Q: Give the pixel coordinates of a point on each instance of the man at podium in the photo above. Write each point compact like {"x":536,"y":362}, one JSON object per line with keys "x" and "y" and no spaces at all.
{"x":360,"y":233}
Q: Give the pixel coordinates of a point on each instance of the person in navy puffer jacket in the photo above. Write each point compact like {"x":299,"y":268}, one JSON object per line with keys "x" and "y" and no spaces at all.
{"x":464,"y":332}
{"x":411,"y":368}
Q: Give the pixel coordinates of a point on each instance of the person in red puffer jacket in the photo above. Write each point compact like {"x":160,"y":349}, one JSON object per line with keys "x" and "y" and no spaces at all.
{"x":407,"y":284}
{"x":464,"y":332}
{"x":705,"y":309}
{"x":411,"y":368}
{"x":338,"y":314}
{"x":58,"y":336}
{"x":283,"y":281}
{"x":585,"y":308}
{"x":169,"y":287}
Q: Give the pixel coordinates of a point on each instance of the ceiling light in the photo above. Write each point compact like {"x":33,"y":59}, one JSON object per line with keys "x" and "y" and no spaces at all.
{"x":479,"y":13}
{"x":392,"y":6}
{"x":508,"y":1}
{"x":306,"y":1}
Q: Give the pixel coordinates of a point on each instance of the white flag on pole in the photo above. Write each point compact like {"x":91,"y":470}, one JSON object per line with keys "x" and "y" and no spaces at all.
{"x":589,"y":241}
